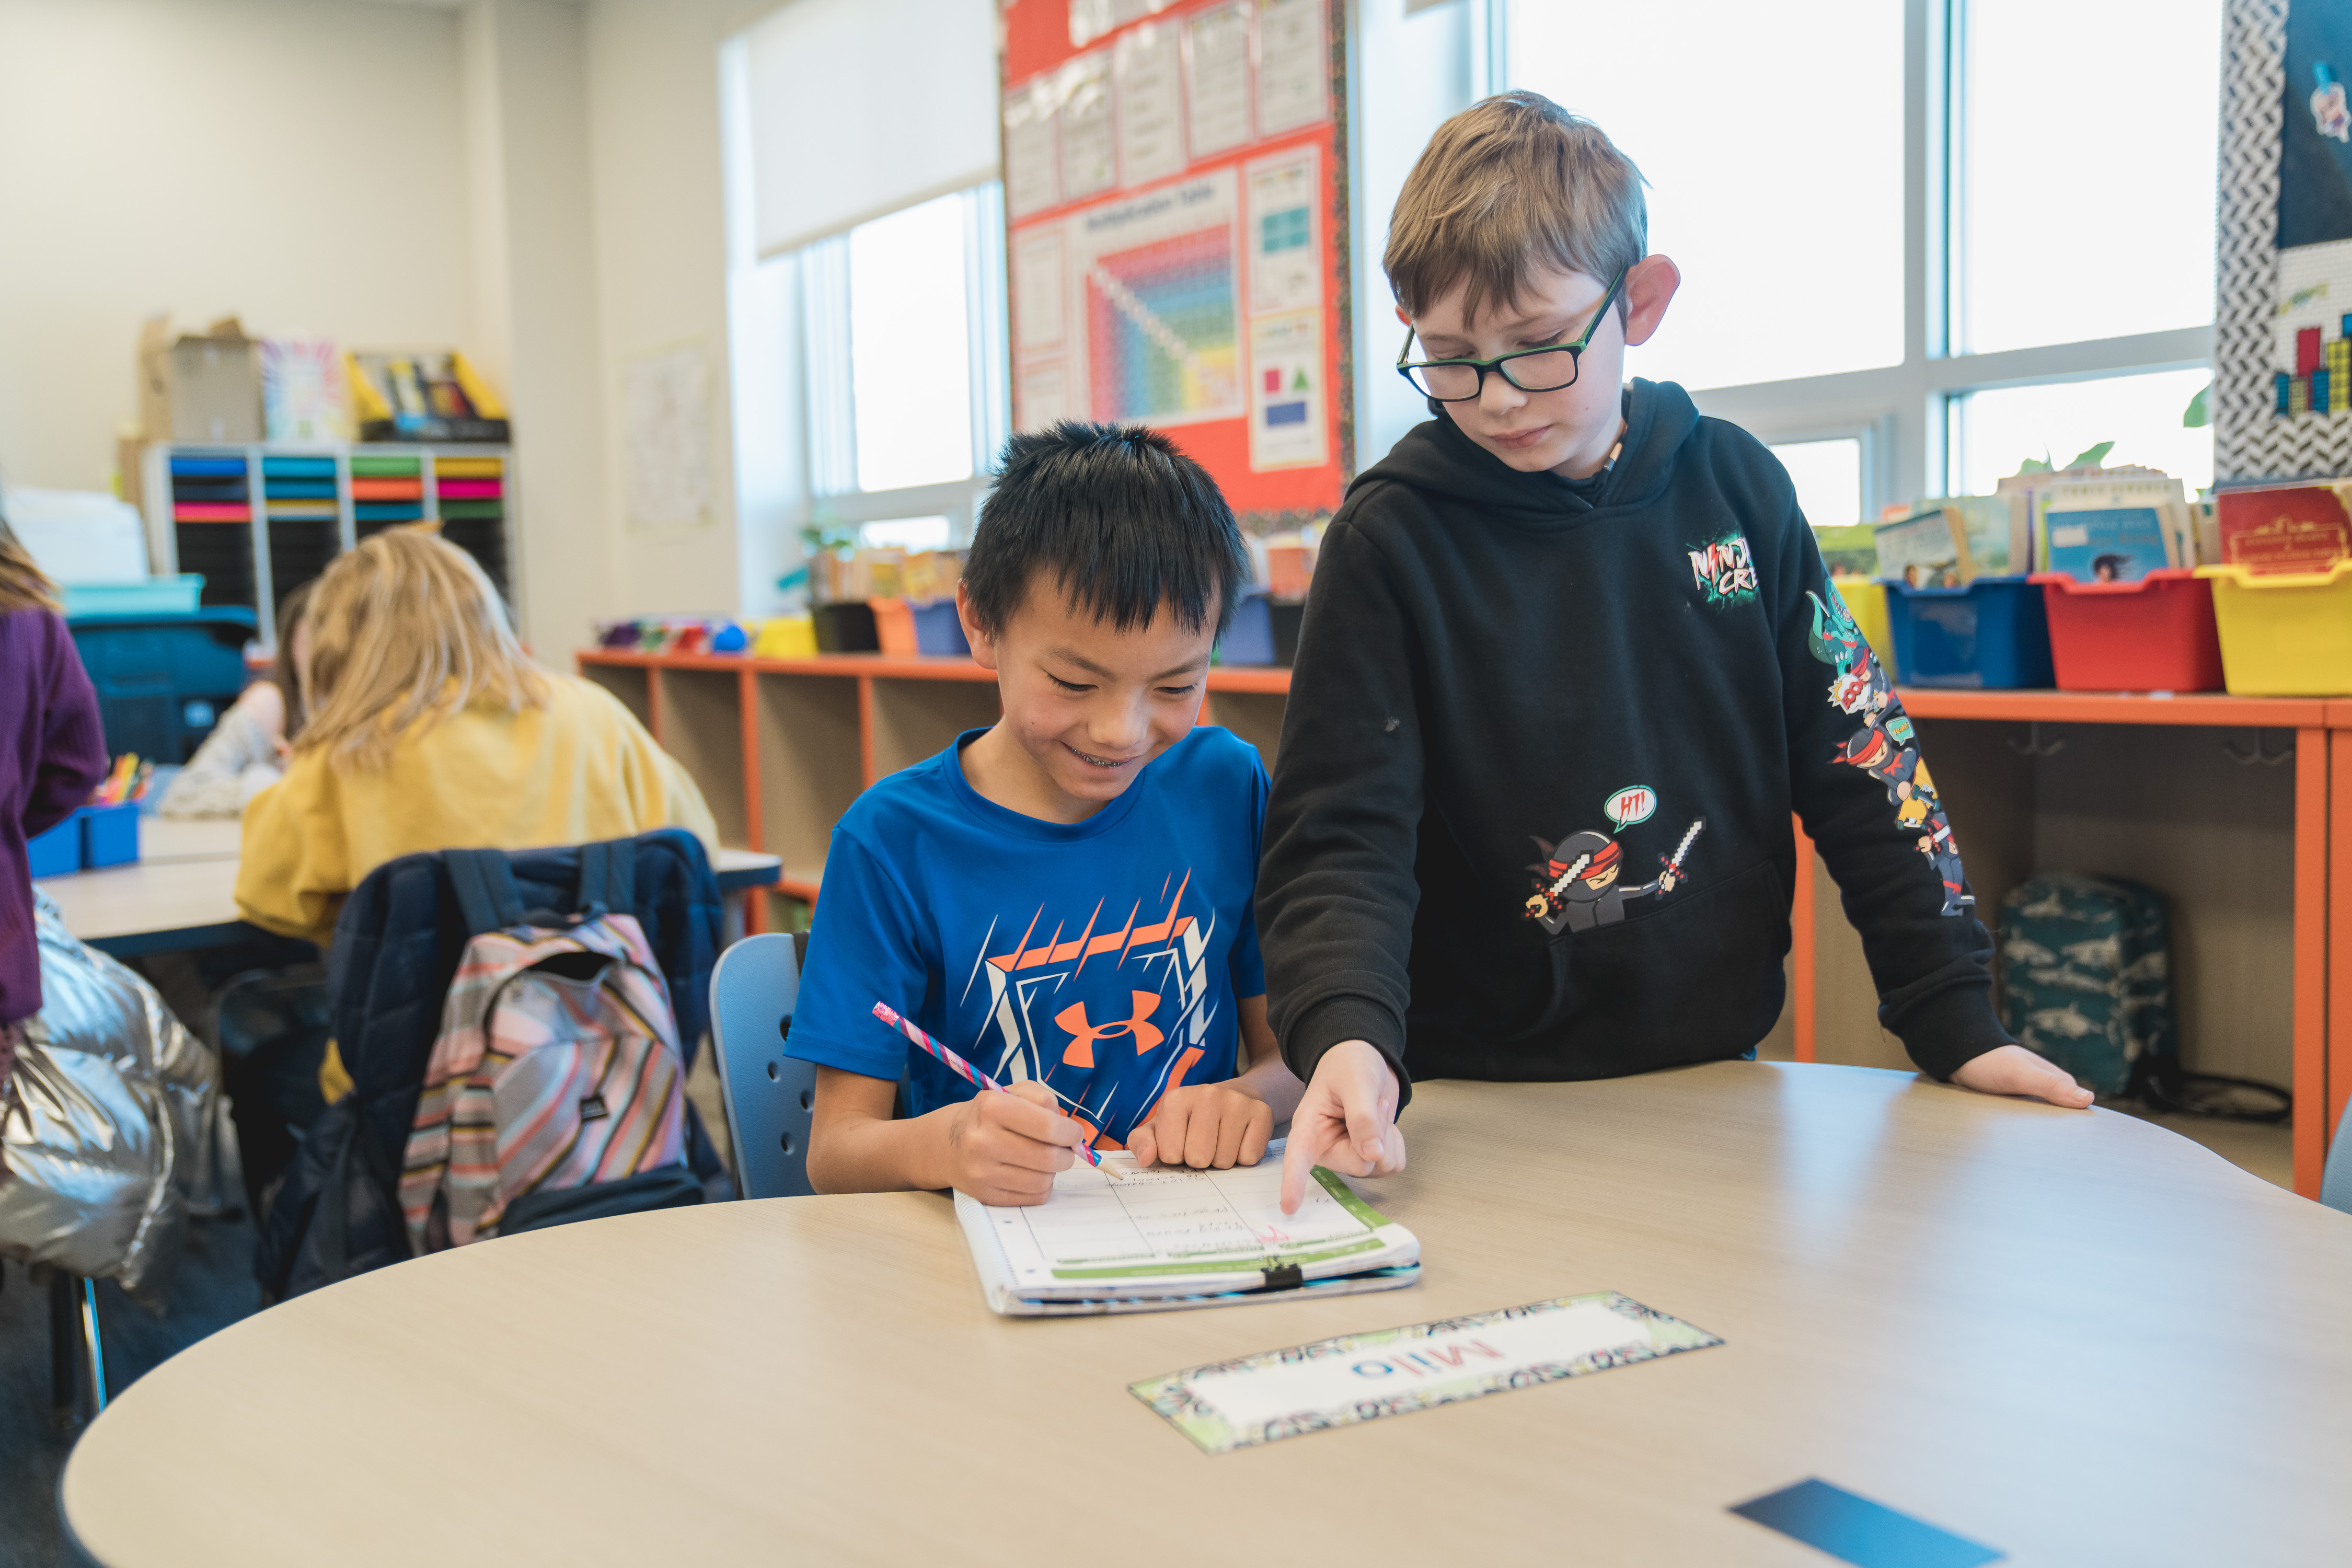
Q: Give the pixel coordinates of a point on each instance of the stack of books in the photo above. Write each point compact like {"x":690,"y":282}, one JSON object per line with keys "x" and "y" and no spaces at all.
{"x":2106,"y":524}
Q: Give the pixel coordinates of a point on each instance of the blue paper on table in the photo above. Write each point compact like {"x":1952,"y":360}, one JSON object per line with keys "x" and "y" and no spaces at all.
{"x":2106,"y":544}
{"x":300,"y":489}
{"x":388,"y":511}
{"x":1858,"y":1530}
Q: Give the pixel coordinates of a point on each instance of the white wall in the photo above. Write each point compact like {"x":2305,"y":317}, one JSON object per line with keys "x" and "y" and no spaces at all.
{"x":660,"y":226}
{"x":298,"y":161}
{"x":535,"y":284}
{"x":537,"y":182}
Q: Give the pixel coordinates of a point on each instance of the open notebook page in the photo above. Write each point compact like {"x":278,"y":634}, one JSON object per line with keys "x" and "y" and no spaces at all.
{"x":1165,"y":1230}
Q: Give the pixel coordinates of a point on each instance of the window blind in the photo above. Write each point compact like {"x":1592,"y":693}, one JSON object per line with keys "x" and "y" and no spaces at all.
{"x":858,"y":108}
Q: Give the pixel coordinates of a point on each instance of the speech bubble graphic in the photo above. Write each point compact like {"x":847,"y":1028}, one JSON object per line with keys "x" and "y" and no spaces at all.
{"x":1631,"y":805}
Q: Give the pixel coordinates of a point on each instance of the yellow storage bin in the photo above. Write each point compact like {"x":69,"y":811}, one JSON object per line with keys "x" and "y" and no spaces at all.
{"x":1865,"y":601}
{"x":786,"y":636}
{"x":2285,"y":633}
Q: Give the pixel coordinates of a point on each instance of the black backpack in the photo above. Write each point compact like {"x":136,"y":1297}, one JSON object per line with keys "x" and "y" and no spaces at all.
{"x":396,"y":947}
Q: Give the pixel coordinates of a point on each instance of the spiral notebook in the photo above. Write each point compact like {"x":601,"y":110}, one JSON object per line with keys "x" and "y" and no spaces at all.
{"x":1164,"y":1239}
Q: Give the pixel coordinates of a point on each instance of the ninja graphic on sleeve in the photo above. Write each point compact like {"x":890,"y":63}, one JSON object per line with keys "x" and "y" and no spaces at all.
{"x":1885,"y":753}
{"x":1883,"y":747}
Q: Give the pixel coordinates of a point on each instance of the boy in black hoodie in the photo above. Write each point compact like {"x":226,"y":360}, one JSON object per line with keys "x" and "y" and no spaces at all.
{"x":1570,"y":661}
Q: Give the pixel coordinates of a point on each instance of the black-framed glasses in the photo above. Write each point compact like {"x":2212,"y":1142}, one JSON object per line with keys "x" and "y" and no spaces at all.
{"x":1530,"y":370}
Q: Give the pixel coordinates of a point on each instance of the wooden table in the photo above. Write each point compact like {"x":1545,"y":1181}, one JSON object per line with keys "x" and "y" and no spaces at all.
{"x":2068,"y":1334}
{"x":182,"y":892}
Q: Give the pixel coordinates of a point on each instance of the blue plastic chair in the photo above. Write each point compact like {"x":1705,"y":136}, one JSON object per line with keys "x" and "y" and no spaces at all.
{"x":2335,"y":1182}
{"x":770,"y":1095}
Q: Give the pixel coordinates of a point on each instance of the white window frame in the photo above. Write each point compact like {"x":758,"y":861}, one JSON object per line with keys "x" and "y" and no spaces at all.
{"x":1905,"y":414}
{"x":823,"y":268}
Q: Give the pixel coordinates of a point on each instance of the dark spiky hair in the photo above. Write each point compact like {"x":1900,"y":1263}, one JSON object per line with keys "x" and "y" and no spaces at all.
{"x":1116,"y":517}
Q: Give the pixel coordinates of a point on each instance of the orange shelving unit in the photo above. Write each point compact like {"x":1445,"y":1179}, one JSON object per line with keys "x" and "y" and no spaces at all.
{"x":781,"y":746}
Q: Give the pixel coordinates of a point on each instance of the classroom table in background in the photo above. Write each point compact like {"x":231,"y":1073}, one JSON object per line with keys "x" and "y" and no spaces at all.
{"x":2066,"y":1334}
{"x":180,"y":894}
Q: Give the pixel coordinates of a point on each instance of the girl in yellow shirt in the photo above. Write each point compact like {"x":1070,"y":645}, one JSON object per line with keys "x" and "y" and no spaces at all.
{"x":430,"y":729}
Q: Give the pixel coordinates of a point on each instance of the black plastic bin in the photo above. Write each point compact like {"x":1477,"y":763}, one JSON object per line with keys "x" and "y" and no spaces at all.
{"x":845,"y":628}
{"x":1286,"y":615}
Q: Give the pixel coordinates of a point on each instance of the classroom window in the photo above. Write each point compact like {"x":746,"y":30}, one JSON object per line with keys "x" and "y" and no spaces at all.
{"x":908,"y":533}
{"x":1828,"y":477}
{"x":1774,"y":160}
{"x":904,"y":351}
{"x":1996,"y":430}
{"x":910,"y":347}
{"x":2085,"y":146}
{"x":1966,"y":231}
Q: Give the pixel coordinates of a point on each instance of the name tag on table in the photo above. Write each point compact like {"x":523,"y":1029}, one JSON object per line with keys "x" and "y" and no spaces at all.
{"x":1393,"y":1372}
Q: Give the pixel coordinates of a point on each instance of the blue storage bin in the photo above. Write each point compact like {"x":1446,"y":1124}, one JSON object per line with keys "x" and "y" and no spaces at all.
{"x":58,"y":852}
{"x":1250,"y":639}
{"x":937,"y":630}
{"x":109,"y":835}
{"x":1992,"y":635}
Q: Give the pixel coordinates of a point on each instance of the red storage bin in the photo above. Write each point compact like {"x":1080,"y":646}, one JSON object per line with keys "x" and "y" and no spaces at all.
{"x":2155,"y":635}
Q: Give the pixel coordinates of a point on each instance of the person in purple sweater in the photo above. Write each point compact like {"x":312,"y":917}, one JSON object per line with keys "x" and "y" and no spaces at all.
{"x":52,"y":755}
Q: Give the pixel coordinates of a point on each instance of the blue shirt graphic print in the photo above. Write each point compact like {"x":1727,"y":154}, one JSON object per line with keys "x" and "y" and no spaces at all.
{"x":1100,"y":958}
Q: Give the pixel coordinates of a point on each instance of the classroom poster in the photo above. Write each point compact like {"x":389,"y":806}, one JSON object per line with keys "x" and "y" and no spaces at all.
{"x":1176,"y":234}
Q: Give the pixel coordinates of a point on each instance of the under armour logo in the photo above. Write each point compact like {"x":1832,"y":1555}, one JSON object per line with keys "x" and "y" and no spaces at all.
{"x":1081,"y":1050}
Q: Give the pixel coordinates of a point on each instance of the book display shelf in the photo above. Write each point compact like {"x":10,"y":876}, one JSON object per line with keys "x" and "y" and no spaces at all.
{"x":2237,"y":809}
{"x":258,"y":520}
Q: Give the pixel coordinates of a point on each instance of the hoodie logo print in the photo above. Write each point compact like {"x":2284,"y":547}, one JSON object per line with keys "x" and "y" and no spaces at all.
{"x":1724,"y":570}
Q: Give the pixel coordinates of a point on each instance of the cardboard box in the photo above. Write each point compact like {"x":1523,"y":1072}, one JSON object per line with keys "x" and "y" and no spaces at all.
{"x":199,"y":386}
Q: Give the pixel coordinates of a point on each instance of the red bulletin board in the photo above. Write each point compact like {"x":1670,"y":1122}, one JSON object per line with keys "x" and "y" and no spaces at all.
{"x":1176,"y":236}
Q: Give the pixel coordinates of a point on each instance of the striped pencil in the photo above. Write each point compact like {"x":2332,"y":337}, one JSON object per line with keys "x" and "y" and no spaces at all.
{"x":968,"y":1073}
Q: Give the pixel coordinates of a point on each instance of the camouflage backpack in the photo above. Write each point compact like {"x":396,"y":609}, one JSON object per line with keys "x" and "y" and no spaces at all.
{"x":2086,"y":978}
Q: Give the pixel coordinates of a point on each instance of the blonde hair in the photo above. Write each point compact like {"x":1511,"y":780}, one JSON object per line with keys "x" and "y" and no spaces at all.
{"x":1511,"y":184}
{"x":22,"y":584}
{"x":405,"y":630}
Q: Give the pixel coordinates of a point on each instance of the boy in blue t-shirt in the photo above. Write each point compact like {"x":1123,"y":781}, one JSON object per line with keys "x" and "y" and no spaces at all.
{"x":1064,"y":899}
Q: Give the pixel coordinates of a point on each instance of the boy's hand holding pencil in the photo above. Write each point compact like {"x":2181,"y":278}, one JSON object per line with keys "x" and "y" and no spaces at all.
{"x":1004,"y":1145}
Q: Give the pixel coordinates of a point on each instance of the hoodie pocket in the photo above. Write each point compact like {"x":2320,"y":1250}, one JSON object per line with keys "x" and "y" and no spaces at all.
{"x":1696,"y":977}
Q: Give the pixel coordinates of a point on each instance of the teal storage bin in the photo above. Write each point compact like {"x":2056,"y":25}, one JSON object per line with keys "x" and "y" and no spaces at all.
{"x":58,"y":852}
{"x":1992,"y":635}
{"x":155,"y":596}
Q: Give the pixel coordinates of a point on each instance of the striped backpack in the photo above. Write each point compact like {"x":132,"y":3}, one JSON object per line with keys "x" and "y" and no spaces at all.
{"x":556,"y":1078}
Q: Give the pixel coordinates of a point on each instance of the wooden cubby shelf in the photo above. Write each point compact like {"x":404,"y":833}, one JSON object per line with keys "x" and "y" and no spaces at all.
{"x":781,"y":746}
{"x":2255,"y":853}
